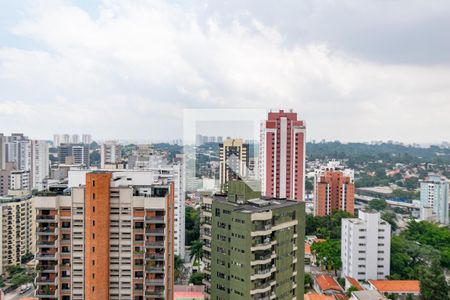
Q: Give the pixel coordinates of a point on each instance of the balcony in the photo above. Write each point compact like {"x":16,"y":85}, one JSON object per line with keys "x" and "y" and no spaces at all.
{"x":47,"y":293}
{"x":154,"y":294}
{"x":46,"y":268}
{"x":47,"y":230}
{"x":262,"y":274}
{"x":155,"y":219}
{"x":154,"y":232}
{"x":46,"y":256}
{"x":43,"y":280}
{"x":46,"y":219}
{"x":157,"y":282}
{"x":156,"y":244}
{"x":155,"y":270}
{"x":46,"y":244}
{"x":262,"y":245}
{"x":261,"y":288}
{"x":155,"y":256}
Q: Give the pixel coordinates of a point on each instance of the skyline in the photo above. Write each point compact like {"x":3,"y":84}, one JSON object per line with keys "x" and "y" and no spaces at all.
{"x":67,"y":65}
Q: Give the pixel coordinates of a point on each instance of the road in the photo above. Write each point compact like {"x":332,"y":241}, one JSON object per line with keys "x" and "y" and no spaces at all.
{"x":16,"y":296}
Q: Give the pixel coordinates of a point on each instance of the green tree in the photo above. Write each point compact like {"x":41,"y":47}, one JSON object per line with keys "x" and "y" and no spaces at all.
{"x":378,"y":204}
{"x":192,"y":224}
{"x":21,"y":278}
{"x":433,"y":285}
{"x":350,"y":290}
{"x":197,"y":250}
{"x":308,"y":281}
{"x":328,"y":254}
{"x":179,"y":268}
{"x":197,"y":278}
{"x":391,"y":218}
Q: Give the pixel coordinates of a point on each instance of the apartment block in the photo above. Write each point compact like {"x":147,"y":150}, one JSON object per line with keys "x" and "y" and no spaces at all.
{"x":75,"y":154}
{"x":111,"y":238}
{"x":333,"y":191}
{"x":282,"y":156}
{"x":110,"y":155}
{"x":233,"y":155}
{"x":253,"y":247}
{"x":366,"y":246}
{"x":434,"y":195}
{"x":17,"y":217}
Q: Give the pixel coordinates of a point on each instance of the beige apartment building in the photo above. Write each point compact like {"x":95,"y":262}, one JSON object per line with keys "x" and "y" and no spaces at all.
{"x":111,"y":238}
{"x":18,"y":229}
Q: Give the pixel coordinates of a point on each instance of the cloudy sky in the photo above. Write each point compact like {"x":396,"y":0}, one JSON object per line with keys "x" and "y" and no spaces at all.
{"x":355,"y":70}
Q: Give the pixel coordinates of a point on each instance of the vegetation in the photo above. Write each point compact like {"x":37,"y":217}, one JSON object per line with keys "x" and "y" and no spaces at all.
{"x":196,"y":251}
{"x":179,"y":268}
{"x":421,"y":252}
{"x":197,"y":278}
{"x":18,"y":275}
{"x":328,"y":254}
{"x":192,"y":224}
{"x":308,"y":281}
{"x":378,"y":204}
{"x":327,"y":227}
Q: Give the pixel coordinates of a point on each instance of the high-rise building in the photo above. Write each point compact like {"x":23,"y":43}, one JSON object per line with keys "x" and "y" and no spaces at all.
{"x":65,"y":138}
{"x":56,"y":140}
{"x":282,"y":156}
{"x":233,"y":155}
{"x":333,"y":191}
{"x":110,"y":155}
{"x":40,"y":164}
{"x":86,"y":139}
{"x":18,"y":229}
{"x":434,"y":194}
{"x":253,"y":247}
{"x":2,"y":151}
{"x":75,"y":154}
{"x":75,"y":139}
{"x":366,"y":246}
{"x":112,"y":238}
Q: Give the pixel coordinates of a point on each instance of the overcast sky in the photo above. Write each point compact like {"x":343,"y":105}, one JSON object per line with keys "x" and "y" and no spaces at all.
{"x":357,"y":70}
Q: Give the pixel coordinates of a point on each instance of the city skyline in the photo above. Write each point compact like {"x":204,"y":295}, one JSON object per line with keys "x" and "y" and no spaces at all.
{"x":142,"y":64}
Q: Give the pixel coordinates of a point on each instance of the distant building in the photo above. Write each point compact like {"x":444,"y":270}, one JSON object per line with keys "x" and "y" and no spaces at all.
{"x":434,"y":194}
{"x":73,"y":154}
{"x":110,"y":155}
{"x":282,"y":156}
{"x":18,"y":229}
{"x":333,"y":191}
{"x":253,"y":247}
{"x":366,"y":247}
{"x":86,"y":139}
{"x":233,"y":154}
{"x":75,"y":139}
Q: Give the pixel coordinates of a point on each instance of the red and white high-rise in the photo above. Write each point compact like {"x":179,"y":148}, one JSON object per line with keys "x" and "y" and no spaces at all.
{"x":282,"y":156}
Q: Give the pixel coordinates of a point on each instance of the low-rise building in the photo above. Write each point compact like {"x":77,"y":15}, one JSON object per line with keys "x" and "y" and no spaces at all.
{"x":367,"y":295}
{"x":402,"y":288}
{"x":325,"y":284}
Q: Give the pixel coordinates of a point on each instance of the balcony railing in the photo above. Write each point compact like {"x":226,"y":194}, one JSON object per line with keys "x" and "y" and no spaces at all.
{"x":155,"y":219}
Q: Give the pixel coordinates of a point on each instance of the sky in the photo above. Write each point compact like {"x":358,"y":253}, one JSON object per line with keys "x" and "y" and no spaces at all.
{"x":354,"y":70}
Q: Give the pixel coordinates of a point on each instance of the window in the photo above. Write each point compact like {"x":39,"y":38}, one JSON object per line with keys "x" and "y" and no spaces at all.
{"x":93,"y":196}
{"x":93,"y":183}
{"x":93,"y":208}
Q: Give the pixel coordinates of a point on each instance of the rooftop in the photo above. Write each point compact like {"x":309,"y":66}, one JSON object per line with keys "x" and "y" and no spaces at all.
{"x":311,"y":296}
{"x":368,"y":295}
{"x":396,"y":286}
{"x":355,"y":283}
{"x":257,"y":204}
{"x":327,"y":282}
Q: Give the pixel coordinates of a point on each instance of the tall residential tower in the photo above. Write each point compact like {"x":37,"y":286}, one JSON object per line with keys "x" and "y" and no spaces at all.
{"x":282,"y":156}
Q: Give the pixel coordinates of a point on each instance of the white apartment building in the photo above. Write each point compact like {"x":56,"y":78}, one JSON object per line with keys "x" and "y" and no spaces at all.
{"x":40,"y":163}
{"x":163,"y":174}
{"x":434,"y":194}
{"x":17,"y":221}
{"x":366,"y":246}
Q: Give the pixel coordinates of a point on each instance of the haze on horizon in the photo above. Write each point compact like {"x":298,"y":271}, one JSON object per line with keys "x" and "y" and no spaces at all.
{"x":355,"y":70}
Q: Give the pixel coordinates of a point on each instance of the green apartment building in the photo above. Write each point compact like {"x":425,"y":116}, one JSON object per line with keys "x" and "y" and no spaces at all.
{"x":253,"y":246}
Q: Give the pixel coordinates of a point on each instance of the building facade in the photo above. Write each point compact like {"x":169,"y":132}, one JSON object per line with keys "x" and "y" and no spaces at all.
{"x":111,"y":238}
{"x":333,"y":191}
{"x":75,"y":154}
{"x":233,"y":156}
{"x":282,"y":156}
{"x":366,"y":246}
{"x":17,"y":220}
{"x":434,"y":194}
{"x":253,"y":248}
{"x":110,"y":155}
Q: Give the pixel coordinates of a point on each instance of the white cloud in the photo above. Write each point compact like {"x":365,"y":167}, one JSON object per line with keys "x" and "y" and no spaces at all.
{"x":130,"y":71}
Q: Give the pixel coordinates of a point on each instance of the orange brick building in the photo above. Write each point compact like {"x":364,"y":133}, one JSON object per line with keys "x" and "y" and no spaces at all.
{"x":333,"y":191}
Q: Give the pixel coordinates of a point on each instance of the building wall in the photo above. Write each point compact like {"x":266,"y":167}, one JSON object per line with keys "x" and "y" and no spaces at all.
{"x":365,"y":247}
{"x":434,"y":193}
{"x":283,"y":156}
{"x":333,"y":191}
{"x":97,"y":213}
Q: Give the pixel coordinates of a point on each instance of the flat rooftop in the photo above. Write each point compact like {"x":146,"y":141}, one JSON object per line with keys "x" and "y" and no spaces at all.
{"x":257,"y":204}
